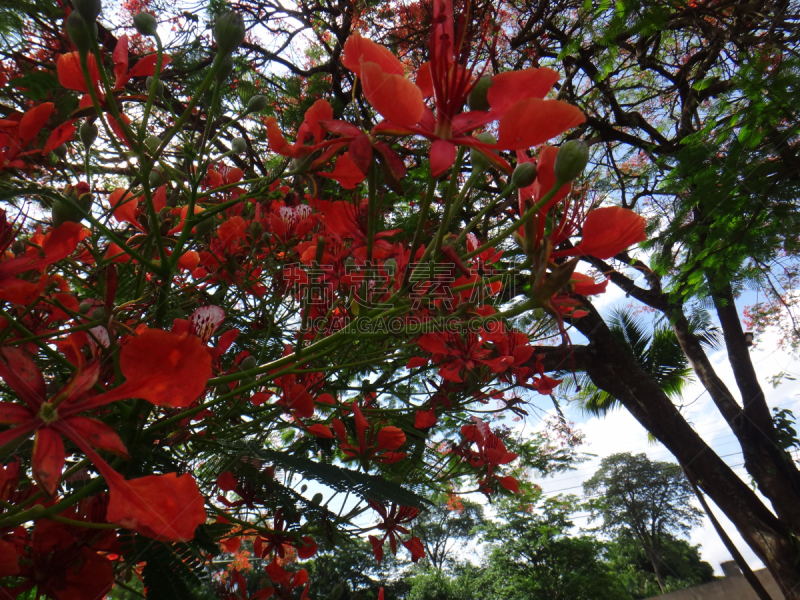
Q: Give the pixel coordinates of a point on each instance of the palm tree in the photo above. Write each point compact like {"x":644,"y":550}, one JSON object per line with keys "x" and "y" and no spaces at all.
{"x":655,"y":348}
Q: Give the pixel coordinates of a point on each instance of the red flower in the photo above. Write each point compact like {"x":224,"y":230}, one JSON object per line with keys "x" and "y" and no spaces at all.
{"x":310,"y":131}
{"x":144,"y":67}
{"x":165,"y":369}
{"x":66,"y":562}
{"x":459,"y":354}
{"x":374,"y":444}
{"x":203,"y":323}
{"x":56,"y":245}
{"x":285,"y":582}
{"x":491,"y":453}
{"x":515,"y":98}
{"x":280,"y":540}
{"x":393,"y":524}
{"x":17,"y":132}
{"x":70,"y":74}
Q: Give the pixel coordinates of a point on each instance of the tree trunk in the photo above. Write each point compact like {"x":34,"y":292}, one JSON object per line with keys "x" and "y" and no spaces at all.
{"x":612,"y":369}
{"x":655,"y":560}
{"x":751,"y":578}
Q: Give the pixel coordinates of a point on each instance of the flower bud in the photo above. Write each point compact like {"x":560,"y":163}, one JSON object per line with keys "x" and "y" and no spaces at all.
{"x":571,"y":160}
{"x":256,"y":229}
{"x":61,"y":151}
{"x":88,"y":133}
{"x":477,"y":98}
{"x":229,"y":32}
{"x":249,"y":362}
{"x":204,"y":227}
{"x":239,"y":145}
{"x":156,"y":178}
{"x":481,"y":164}
{"x":524,"y":175}
{"x":153,"y":142}
{"x":64,"y":211}
{"x":145,"y":24}
{"x":89,"y":9}
{"x":257,"y":103}
{"x":390,"y":266}
{"x":100,"y":314}
{"x":18,"y":247}
{"x":78,"y":31}
{"x":84,"y":307}
{"x":159,"y":86}
{"x":225,"y":68}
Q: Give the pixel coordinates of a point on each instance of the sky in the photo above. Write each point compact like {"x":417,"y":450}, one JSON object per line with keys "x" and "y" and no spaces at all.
{"x":620,"y":432}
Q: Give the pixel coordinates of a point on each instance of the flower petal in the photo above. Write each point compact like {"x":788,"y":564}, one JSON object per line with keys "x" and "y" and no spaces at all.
{"x":510,"y":483}
{"x":391,"y":438}
{"x":513,"y":86}
{"x":61,"y":242}
{"x":13,"y":413}
{"x":319,"y":112}
{"x":415,"y":547}
{"x":443,"y":155}
{"x":205,"y":321}
{"x":320,"y":430}
{"x":534,"y":121}
{"x":227,"y":482}
{"x":608,"y":231}
{"x":146,"y":66}
{"x":358,"y":50}
{"x":120,"y":58}
{"x":9,"y":559}
{"x":424,"y":80}
{"x":70,"y":74}
{"x":60,"y":135}
{"x":425,"y":419}
{"x":33,"y":121}
{"x":22,"y":375}
{"x":97,"y":434}
{"x":167,"y":507}
{"x":48,"y":459}
{"x":308,"y":549}
{"x":377,"y":547}
{"x":165,"y":369}
{"x":396,"y":98}
{"x":346,"y":172}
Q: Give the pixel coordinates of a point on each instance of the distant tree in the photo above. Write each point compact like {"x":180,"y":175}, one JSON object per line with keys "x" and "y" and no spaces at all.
{"x":682,"y":565}
{"x":648,"y":500}
{"x":350,"y":571}
{"x":446,"y":527}
{"x":531,"y":556}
